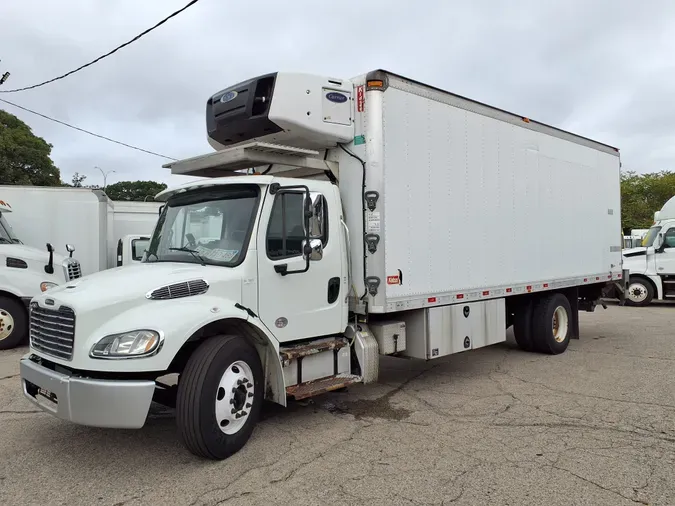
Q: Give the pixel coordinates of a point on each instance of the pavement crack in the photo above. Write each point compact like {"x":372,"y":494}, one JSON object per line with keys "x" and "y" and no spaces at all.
{"x":596,"y":484}
{"x":9,"y":377}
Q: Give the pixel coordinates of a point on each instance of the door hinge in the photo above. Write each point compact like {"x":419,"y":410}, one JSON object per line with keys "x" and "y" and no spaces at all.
{"x":372,"y":240}
{"x":372,"y":283}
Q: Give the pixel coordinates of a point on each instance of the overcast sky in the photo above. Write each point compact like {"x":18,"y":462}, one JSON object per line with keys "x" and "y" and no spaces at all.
{"x":602,"y":69}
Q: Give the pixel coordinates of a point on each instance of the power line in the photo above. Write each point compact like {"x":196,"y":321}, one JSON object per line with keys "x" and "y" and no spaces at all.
{"x":191,"y":3}
{"x":87,"y":131}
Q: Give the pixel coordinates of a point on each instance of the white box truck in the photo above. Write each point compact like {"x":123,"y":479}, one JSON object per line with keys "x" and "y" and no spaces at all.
{"x":383,"y":216}
{"x":26,"y":271}
{"x":651,"y":266}
{"x":106,"y":233}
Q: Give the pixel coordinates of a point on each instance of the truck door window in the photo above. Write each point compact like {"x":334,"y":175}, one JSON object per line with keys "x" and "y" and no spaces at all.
{"x":286,"y":230}
{"x":669,"y":238}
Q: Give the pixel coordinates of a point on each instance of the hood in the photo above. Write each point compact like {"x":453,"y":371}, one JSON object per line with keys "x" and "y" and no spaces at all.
{"x":30,"y":254}
{"x":127,"y":286}
{"x":634,"y":252}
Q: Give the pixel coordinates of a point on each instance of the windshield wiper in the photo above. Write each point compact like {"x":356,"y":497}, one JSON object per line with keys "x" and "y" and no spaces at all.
{"x":193,"y":252}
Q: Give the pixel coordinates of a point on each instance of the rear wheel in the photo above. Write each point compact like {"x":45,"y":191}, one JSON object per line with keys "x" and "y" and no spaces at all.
{"x":13,"y":323}
{"x":522,"y":326}
{"x":639,"y":293}
{"x":219,"y":397}
{"x":551,"y":324}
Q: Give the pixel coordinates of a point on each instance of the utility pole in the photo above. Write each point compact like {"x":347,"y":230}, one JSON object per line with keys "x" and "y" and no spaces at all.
{"x":104,"y":174}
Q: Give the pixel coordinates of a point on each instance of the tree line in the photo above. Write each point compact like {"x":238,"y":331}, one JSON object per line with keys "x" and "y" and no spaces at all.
{"x":25,"y":159}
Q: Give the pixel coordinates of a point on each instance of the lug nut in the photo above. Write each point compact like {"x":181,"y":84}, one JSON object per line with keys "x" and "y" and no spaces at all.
{"x":250,"y":385}
{"x":231,"y":401}
{"x":233,"y":411}
{"x":239,"y":382}
{"x":238,"y":415}
{"x":250,"y":394}
{"x":248,"y":405}
{"x":244,"y":413}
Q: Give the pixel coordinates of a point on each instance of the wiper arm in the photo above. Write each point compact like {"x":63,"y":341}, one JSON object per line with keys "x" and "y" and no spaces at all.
{"x":193,"y":252}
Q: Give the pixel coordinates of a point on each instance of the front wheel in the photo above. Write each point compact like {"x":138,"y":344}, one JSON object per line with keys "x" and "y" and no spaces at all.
{"x":219,"y":397}
{"x":639,"y":293}
{"x":13,"y":323}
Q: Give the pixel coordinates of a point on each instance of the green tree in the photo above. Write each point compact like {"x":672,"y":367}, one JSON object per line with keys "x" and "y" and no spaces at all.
{"x":642,"y":195}
{"x":78,"y":180}
{"x":24,"y":157}
{"x":134,"y":190}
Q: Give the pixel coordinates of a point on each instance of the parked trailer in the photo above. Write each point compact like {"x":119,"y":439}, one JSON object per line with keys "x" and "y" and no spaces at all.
{"x":384,"y":216}
{"x":85,"y":218}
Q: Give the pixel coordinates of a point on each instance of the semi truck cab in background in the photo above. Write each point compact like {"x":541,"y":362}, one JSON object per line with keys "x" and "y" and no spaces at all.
{"x":24,"y":273}
{"x":329,"y":228}
{"x":652,"y":265}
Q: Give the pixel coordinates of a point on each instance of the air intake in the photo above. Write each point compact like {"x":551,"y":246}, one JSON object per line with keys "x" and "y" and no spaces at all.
{"x":179,"y":290}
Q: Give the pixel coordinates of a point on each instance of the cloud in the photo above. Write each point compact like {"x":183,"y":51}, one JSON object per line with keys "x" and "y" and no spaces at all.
{"x":601,"y":69}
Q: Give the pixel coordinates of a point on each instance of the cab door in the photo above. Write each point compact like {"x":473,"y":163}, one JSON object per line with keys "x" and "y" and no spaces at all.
{"x":299,"y":299}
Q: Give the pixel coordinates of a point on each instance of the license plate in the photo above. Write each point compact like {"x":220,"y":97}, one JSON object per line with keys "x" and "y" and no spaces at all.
{"x":46,"y":393}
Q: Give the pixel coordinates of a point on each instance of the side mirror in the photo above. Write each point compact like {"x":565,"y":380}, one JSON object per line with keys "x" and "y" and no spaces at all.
{"x":316,"y":219}
{"x":313,"y":251}
{"x":70,"y":249}
{"x":658,"y":243}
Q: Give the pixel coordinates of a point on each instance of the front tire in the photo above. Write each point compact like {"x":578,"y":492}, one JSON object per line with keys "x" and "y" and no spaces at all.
{"x":639,"y":293}
{"x":13,"y":323}
{"x":552,"y":324}
{"x":219,"y":397}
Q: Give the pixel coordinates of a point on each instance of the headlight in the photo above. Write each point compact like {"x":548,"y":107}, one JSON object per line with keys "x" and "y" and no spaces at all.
{"x":46,"y":285}
{"x":134,"y":344}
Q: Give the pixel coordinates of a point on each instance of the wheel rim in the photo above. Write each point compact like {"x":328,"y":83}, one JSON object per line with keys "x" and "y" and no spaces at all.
{"x":6,"y":324}
{"x":234,"y":397}
{"x":637,"y":292}
{"x":560,"y":324}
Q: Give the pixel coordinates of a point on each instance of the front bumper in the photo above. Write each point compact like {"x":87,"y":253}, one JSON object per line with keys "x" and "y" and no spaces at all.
{"x":119,"y":404}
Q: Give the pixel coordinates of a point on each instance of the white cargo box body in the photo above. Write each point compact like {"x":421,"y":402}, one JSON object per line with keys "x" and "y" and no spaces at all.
{"x":477,"y":203}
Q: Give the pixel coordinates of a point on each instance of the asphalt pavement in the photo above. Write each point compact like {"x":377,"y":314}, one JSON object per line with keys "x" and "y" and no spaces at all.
{"x":593,"y":426}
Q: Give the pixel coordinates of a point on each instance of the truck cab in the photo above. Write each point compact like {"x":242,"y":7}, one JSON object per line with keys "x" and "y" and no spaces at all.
{"x":24,"y":273}
{"x":131,"y":248}
{"x":652,"y":265}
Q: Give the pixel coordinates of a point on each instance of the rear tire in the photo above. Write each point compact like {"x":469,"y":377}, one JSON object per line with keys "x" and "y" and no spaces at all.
{"x":639,"y":293}
{"x":522,"y":326}
{"x":218,"y":403}
{"x":13,"y":323}
{"x":552,"y":324}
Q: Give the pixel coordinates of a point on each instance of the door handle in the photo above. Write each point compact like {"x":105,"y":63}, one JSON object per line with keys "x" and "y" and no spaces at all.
{"x":281,"y":269}
{"x":333,"y":289}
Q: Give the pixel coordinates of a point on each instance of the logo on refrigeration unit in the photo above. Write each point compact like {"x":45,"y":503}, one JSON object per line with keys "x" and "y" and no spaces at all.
{"x":336,"y":97}
{"x":229,"y":96}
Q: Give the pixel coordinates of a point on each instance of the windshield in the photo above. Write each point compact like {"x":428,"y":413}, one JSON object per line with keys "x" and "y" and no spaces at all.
{"x":651,"y":235}
{"x":6,"y":232}
{"x":206,"y":226}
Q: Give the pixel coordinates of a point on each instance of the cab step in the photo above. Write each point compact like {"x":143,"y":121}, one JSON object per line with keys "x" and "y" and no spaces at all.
{"x":321,"y":386}
{"x":307,"y":349}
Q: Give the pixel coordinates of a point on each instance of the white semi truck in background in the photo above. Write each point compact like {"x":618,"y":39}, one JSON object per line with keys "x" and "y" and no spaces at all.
{"x":383,"y":217}
{"x":106,"y":233}
{"x":651,"y":266}
{"x":25,"y":272}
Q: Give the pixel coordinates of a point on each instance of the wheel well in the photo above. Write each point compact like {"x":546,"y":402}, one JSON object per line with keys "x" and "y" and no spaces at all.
{"x":269,"y":356}
{"x":645,"y":278}
{"x":9,"y":295}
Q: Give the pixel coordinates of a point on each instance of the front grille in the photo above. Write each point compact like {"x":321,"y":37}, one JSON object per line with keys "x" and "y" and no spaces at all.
{"x":178,"y":290}
{"x":73,"y":269}
{"x":52,"y":331}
